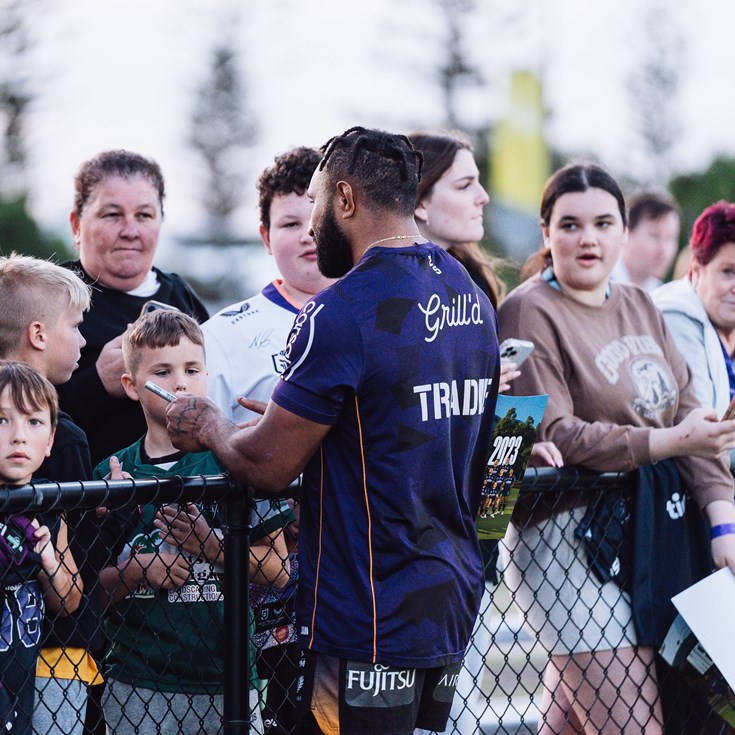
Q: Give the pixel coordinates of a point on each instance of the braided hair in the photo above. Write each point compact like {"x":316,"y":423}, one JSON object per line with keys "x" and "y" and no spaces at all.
{"x":385,"y":165}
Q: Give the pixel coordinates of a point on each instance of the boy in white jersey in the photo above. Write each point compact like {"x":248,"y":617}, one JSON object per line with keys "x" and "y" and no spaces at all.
{"x":245,"y":341}
{"x":245,"y":345}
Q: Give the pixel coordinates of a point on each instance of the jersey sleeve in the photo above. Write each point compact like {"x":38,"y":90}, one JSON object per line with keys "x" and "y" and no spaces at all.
{"x":324,"y":361}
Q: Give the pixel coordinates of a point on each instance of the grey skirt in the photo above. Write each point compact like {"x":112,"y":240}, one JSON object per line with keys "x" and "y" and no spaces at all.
{"x":564,"y":605}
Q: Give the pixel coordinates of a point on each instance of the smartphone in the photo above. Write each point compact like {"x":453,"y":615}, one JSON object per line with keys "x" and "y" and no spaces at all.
{"x":152,"y":305}
{"x":730,"y":413}
{"x":516,"y":350}
{"x":153,"y":388}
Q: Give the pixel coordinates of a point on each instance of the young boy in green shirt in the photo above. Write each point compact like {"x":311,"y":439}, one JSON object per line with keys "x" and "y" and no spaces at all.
{"x":166,"y":660}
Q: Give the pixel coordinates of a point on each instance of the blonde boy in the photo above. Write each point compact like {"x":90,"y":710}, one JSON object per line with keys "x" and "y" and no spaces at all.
{"x":41,"y":309}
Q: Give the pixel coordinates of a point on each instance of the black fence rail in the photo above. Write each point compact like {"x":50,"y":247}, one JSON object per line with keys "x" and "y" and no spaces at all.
{"x":506,"y":687}
{"x":80,"y":499}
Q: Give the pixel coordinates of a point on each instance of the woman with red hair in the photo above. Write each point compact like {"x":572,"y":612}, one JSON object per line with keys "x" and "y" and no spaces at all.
{"x":699,"y":309}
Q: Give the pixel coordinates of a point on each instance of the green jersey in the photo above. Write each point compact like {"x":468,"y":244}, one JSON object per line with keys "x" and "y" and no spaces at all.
{"x":173,"y":640}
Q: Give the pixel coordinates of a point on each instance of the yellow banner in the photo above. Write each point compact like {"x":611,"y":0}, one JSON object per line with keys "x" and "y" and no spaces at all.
{"x":520,"y":159}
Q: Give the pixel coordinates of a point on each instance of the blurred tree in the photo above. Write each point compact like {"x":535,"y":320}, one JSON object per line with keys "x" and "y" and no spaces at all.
{"x":20,"y":232}
{"x":456,"y":70}
{"x":15,"y":95}
{"x":221,"y":131}
{"x":652,"y":91}
{"x":694,"y":192}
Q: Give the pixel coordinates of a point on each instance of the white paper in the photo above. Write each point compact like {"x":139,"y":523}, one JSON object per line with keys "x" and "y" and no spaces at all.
{"x":708,"y":608}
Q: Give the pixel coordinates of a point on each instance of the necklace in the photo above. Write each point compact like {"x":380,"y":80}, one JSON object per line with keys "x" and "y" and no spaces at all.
{"x":395,"y":237}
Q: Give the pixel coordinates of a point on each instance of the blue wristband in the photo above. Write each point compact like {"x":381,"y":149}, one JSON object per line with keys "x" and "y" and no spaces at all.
{"x":723,"y":529}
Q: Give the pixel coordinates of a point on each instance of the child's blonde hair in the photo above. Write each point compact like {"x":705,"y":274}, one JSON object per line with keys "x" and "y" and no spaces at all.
{"x":32,"y":289}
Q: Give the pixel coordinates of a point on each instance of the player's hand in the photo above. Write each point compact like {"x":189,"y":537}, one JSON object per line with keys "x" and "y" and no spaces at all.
{"x":188,"y":419}
{"x":110,"y":367}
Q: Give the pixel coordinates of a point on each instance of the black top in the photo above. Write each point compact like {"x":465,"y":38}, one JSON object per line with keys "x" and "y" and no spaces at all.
{"x":114,"y":423}
{"x":69,"y":460}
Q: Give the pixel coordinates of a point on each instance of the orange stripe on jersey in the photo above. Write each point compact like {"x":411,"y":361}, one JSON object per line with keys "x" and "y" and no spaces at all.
{"x":319,"y":554}
{"x":278,"y":284}
{"x":370,"y":533}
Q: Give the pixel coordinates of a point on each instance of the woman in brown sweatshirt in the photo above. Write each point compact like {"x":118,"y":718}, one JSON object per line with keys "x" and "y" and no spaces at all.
{"x":620,"y":397}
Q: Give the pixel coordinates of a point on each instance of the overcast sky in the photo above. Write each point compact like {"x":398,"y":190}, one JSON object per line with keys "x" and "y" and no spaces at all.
{"x":124,"y":75}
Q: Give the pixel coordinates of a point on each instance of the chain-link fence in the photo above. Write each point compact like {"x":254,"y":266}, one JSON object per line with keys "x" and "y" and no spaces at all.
{"x":182,"y":645}
{"x":566,"y":642}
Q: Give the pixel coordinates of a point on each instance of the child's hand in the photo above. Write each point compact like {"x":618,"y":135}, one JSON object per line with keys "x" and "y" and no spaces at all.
{"x":163,"y":571}
{"x":44,"y":547}
{"x":185,"y":527}
{"x":115,"y":473}
{"x":116,"y":470}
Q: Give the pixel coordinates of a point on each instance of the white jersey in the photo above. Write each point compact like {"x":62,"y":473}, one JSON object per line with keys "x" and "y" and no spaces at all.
{"x":245,"y":345}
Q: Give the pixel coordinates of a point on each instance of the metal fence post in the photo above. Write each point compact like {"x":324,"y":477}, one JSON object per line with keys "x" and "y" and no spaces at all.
{"x":236,"y":719}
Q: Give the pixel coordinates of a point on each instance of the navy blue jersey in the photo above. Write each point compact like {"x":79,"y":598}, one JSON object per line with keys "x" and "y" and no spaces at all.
{"x":400,"y":357}
{"x":21,"y":620}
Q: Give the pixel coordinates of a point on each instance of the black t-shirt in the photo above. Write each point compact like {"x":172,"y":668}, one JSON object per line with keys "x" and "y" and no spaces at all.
{"x":113,"y":423}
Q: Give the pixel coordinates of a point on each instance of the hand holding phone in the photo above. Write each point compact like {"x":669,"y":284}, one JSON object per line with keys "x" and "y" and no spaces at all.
{"x":516,"y":350}
{"x":153,"y":388}
{"x":730,"y":412}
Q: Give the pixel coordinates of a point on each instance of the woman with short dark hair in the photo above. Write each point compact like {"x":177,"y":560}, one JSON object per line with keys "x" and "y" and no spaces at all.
{"x":115,"y":221}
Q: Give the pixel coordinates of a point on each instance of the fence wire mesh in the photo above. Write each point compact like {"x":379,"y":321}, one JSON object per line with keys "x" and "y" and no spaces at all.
{"x":167,"y":637}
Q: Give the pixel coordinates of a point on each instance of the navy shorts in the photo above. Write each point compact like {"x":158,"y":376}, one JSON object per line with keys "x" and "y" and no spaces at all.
{"x":352,"y":698}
